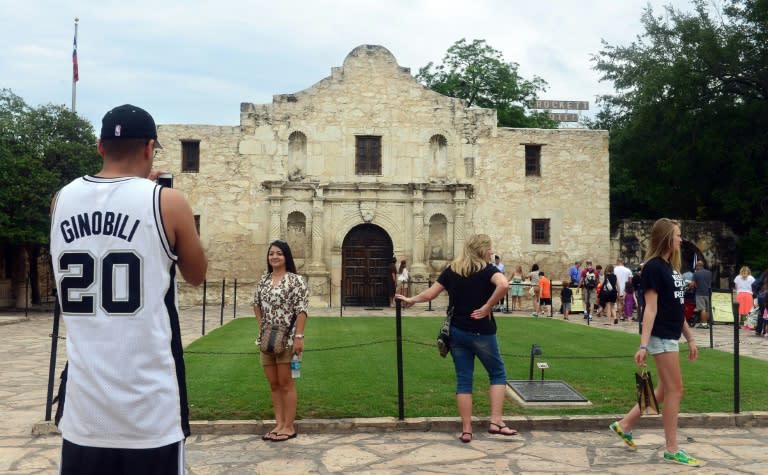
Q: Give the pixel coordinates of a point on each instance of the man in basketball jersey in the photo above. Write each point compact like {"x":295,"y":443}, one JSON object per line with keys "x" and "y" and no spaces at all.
{"x":117,"y":239}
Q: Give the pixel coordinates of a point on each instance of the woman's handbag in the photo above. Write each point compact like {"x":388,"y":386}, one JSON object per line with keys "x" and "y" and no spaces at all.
{"x":273,"y":338}
{"x":646,"y":398}
{"x":444,"y":337}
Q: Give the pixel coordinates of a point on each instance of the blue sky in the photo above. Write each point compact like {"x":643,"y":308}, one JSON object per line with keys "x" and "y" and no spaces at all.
{"x":194,"y":62}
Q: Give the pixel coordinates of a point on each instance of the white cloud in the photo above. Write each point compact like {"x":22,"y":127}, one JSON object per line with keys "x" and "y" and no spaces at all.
{"x":195,"y":61}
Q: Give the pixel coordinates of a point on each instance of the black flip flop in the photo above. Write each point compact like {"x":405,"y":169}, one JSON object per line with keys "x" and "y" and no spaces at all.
{"x":500,"y":429}
{"x":283,"y":437}
{"x":466,"y":441}
{"x":268,"y":435}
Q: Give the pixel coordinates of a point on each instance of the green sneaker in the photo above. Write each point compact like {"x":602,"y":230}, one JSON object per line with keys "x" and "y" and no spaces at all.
{"x":681,"y":457}
{"x":625,"y":437}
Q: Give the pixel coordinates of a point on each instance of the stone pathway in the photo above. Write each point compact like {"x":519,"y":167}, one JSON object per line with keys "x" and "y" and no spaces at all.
{"x":726,"y":443}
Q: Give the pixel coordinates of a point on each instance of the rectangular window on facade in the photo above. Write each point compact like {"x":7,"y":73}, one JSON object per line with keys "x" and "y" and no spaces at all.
{"x":540,"y":231}
{"x":368,"y":155}
{"x":533,"y":160}
{"x":197,"y":224}
{"x":190,"y":156}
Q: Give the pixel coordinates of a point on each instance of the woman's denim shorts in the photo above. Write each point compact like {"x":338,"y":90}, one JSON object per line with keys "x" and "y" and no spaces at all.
{"x":465,"y":345}
{"x":658,"y":345}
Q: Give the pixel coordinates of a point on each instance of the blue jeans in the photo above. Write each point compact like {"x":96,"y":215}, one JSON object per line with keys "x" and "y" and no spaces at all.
{"x":465,"y":346}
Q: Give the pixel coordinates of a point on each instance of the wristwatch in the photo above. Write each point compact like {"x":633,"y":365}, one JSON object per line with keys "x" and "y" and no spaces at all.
{"x":644,"y":347}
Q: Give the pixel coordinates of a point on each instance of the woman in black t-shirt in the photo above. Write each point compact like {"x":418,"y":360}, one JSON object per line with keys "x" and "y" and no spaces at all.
{"x":663,"y":324}
{"x":474,"y":286}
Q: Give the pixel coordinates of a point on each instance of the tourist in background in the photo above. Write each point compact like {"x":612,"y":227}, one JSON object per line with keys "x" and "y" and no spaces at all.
{"x":517,"y":289}
{"x":535,"y":291}
{"x":391,"y":281}
{"x":743,"y":283}
{"x":402,"y":278}
{"x":566,"y":298}
{"x":588,"y":284}
{"x":282,"y":297}
{"x":702,"y":281}
{"x":637,"y":283}
{"x":474,"y":286}
{"x":545,"y":295}
{"x":499,"y":265}
{"x":574,"y":274}
{"x":629,"y":301}
{"x":663,"y":324}
{"x":609,"y":294}
{"x":623,"y":275}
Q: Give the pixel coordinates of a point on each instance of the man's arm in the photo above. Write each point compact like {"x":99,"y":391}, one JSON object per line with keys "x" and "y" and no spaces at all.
{"x":179,"y":223}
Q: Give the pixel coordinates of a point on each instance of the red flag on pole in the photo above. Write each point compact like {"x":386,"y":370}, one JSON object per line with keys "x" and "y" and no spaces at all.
{"x":75,"y":73}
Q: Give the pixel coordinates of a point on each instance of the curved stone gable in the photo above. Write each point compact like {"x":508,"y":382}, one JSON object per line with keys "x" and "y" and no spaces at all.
{"x":293,"y":169}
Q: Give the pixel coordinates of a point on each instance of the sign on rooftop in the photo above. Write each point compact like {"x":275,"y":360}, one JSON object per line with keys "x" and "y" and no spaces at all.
{"x":564,"y":116}
{"x":561,"y":105}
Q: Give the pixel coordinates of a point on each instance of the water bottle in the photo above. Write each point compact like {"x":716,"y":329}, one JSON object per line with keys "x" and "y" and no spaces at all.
{"x":295,"y":366}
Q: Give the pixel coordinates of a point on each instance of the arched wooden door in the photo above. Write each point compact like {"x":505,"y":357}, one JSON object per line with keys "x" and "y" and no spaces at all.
{"x":365,"y":256}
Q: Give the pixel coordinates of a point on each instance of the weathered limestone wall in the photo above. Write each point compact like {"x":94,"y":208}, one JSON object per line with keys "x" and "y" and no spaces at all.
{"x":288,"y":171}
{"x":574,"y":167}
{"x":221,"y":194}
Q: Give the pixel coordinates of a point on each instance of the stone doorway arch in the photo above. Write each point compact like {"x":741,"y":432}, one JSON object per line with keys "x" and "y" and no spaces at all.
{"x":366,"y":253}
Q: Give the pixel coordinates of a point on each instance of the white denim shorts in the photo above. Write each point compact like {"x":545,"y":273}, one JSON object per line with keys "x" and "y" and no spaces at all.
{"x":658,"y":345}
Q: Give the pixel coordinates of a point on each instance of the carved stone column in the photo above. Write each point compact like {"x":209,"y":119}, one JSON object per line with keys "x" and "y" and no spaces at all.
{"x":275,"y":202}
{"x":419,"y":268}
{"x":459,"y":232}
{"x":317,"y":265}
{"x":318,"y":277}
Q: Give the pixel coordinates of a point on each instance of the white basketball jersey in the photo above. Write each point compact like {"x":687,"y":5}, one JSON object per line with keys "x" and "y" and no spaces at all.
{"x":115,"y":275}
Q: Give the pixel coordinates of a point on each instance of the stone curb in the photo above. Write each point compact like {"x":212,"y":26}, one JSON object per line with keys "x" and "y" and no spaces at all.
{"x":450,"y":424}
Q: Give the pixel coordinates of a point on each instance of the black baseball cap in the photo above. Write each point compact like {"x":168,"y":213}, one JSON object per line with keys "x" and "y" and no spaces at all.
{"x":129,"y":122}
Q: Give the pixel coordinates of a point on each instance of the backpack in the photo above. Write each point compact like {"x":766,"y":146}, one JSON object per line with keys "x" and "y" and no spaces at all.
{"x":590,"y":279}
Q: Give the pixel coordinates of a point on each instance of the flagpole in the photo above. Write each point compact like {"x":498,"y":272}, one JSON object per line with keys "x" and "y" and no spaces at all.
{"x":75,"y":73}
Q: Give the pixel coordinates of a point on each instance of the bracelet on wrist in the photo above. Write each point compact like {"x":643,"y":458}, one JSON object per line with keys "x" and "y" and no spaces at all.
{"x":644,"y":347}
{"x":298,"y":335}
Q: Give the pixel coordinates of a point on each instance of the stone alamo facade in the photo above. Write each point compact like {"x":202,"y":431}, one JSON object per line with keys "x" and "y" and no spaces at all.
{"x":368,"y":164}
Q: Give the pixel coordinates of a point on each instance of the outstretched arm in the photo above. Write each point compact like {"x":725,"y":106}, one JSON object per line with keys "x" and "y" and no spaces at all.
{"x":179,"y":223}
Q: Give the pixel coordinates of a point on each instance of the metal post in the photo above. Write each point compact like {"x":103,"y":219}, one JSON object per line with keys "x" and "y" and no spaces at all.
{"x":710,"y":322}
{"x":221,"y":307}
{"x":52,"y":364}
{"x":535,"y":350}
{"x":736,"y":390}
{"x":26,"y":295}
{"x":399,"y":332}
{"x":205,"y":291}
{"x":429,"y":284}
{"x":234,"y":301}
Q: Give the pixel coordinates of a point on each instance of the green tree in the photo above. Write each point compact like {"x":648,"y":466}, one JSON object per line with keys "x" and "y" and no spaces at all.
{"x":41,"y":149}
{"x":689,"y":117}
{"x":477,"y":73}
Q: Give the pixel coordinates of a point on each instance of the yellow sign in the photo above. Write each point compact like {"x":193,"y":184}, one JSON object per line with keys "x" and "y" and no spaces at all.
{"x":722,"y":306}
{"x":577,"y":305}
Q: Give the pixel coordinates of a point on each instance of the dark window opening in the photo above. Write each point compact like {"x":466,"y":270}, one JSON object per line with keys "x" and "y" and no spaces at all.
{"x":190,"y":156}
{"x":540,"y":231}
{"x":533,"y":160}
{"x":368,"y":155}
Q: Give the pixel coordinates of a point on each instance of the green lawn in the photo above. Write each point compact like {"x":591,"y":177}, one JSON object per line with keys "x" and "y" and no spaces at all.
{"x":349,"y":369}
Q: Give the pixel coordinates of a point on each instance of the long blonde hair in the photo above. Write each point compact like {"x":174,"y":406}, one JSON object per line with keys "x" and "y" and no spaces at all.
{"x":744,"y":272}
{"x":473,"y":259}
{"x":662,"y":242}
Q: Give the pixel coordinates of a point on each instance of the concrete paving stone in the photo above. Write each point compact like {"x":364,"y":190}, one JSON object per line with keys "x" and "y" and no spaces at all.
{"x":726,"y":443}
